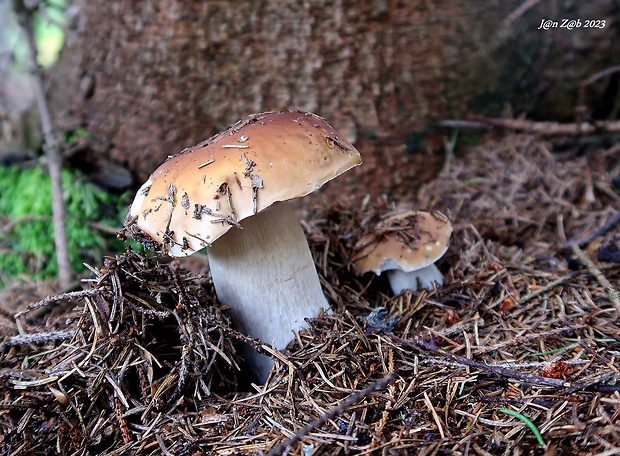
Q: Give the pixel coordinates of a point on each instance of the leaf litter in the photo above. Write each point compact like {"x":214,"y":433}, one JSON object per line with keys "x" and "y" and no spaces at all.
{"x":520,"y":346}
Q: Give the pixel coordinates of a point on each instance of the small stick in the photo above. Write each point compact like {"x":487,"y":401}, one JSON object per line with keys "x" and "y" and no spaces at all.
{"x":542,"y":128}
{"x":71,"y":296}
{"x":502,"y":372}
{"x":456,"y":123}
{"x":25,"y":17}
{"x":39,"y":338}
{"x":352,"y":399}
{"x":601,"y":74}
{"x":493,"y":369}
{"x":547,"y":287}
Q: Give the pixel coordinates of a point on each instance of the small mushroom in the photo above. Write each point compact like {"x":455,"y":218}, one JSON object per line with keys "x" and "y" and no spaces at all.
{"x":406,"y":246}
{"x":229,"y":194}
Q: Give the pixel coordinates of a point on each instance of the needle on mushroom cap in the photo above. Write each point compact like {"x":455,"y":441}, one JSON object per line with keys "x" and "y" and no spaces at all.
{"x":406,"y":246}
{"x":229,"y":194}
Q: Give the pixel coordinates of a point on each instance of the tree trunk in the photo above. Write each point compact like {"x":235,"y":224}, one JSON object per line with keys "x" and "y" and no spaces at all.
{"x":148,"y":78}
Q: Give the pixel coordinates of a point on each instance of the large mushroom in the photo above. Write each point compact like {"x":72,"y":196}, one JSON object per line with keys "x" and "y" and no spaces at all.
{"x":405,"y":246}
{"x":229,"y":194}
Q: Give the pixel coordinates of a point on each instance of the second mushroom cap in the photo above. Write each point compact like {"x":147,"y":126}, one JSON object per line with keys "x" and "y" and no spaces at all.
{"x":408,"y":242}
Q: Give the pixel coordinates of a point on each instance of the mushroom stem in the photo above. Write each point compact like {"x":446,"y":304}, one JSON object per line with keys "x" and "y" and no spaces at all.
{"x":266,"y":275}
{"x":427,"y":278}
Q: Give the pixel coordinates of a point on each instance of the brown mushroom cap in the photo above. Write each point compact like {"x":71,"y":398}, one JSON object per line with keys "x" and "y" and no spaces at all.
{"x":198,"y":195}
{"x":408,"y":241}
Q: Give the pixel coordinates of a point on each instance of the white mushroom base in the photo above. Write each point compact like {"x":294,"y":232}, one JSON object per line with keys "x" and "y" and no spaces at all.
{"x":266,"y":275}
{"x":427,"y":278}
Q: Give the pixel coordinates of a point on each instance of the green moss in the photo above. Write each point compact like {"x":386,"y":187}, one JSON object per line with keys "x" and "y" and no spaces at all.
{"x":27,"y":239}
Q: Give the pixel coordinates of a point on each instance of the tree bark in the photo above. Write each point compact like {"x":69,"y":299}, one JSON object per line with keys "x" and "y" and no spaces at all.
{"x":147,"y":78}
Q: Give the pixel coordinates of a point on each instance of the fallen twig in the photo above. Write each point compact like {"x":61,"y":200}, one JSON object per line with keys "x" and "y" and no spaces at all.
{"x":542,"y":128}
{"x":547,"y":287}
{"x":528,"y":379}
{"x":352,"y":399}
{"x":39,"y":338}
{"x":71,"y":296}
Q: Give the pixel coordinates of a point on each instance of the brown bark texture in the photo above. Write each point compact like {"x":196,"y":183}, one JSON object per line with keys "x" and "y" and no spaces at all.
{"x":147,"y":78}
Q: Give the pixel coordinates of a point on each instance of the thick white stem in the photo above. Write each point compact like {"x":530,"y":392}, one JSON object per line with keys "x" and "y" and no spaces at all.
{"x":266,"y":275}
{"x":427,"y":277}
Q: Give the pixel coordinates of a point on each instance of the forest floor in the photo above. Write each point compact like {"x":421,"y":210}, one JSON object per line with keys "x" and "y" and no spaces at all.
{"x":516,"y":354}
